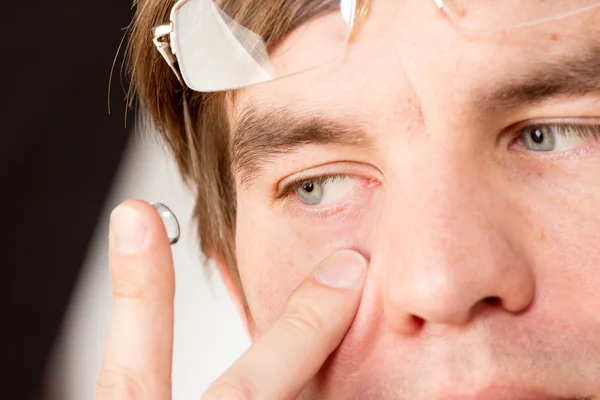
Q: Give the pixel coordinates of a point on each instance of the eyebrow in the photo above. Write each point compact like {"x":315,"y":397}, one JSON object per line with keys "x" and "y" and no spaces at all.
{"x":263,"y":133}
{"x":573,"y":75}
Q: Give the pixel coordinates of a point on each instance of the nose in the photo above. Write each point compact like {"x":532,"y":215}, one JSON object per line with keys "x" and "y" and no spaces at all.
{"x":449,"y":248}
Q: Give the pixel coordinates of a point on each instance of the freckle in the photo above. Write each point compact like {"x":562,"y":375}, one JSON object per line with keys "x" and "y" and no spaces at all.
{"x":542,"y":236}
{"x":539,"y":174}
{"x":554,"y":37}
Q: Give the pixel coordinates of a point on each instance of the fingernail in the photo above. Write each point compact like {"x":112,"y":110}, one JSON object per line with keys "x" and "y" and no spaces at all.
{"x":127,"y":230}
{"x":345,"y":269}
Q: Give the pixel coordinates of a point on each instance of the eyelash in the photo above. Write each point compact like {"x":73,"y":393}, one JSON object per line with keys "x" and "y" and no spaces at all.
{"x":588,"y":129}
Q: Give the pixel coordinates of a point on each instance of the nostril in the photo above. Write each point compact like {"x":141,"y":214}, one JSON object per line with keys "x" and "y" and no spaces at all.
{"x":493,"y":301}
{"x":417,"y":321}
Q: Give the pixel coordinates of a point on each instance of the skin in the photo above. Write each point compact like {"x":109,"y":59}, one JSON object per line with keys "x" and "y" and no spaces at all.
{"x":461,"y":212}
{"x":482,"y":258}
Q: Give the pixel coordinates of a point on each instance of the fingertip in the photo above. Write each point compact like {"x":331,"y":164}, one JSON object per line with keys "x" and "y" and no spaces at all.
{"x":128,"y":230}
{"x":344,"y":269}
{"x":133,"y":227}
{"x":140,"y":254}
{"x":142,"y":207}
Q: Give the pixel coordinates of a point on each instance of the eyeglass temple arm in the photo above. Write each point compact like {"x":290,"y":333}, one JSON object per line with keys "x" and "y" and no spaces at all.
{"x":161,"y":37}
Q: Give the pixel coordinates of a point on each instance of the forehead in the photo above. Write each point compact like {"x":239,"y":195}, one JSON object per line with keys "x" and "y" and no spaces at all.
{"x":410,"y":51}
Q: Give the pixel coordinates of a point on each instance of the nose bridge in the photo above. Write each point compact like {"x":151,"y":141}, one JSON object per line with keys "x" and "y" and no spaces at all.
{"x":444,"y":248}
{"x":441,"y":197}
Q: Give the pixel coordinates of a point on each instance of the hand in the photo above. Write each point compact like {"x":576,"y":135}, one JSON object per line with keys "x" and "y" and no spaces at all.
{"x":138,"y":355}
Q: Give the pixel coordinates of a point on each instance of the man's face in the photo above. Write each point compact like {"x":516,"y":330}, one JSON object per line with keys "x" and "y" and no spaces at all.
{"x":465,"y":167}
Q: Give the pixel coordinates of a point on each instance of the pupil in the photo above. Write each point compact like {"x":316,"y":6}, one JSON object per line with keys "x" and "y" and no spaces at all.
{"x":308,"y":186}
{"x":537,"y":136}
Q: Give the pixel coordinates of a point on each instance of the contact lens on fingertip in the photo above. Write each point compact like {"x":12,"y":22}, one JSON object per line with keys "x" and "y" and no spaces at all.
{"x":169,"y":220}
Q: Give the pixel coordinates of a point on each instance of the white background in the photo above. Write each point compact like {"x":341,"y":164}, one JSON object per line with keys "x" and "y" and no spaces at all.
{"x":209,"y":334}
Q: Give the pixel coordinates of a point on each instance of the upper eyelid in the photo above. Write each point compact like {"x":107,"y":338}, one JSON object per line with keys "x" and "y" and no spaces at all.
{"x":584,"y":129}
{"x":341,"y":168}
{"x":578,"y":121}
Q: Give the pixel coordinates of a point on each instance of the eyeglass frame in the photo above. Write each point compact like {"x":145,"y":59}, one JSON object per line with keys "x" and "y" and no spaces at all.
{"x":163,"y":36}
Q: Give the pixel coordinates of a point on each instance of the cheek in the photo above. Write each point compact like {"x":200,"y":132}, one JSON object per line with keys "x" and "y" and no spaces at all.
{"x":276,"y":251}
{"x":563,"y":209}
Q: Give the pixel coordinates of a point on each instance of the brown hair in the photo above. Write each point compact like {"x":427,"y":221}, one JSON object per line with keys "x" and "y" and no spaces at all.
{"x":194,"y":125}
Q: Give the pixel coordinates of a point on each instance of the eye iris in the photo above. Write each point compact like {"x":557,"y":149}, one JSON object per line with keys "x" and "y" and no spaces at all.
{"x":310,"y":192}
{"x":539,"y":138}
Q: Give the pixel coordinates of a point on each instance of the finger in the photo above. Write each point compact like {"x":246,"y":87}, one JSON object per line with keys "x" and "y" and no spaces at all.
{"x":317,"y":316}
{"x":138,"y":354}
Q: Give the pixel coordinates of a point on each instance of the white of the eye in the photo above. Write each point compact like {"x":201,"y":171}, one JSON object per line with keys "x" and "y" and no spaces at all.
{"x":566,"y":142}
{"x":337,"y":188}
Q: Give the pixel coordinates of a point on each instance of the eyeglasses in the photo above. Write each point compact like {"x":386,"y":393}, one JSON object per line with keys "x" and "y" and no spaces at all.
{"x":216,"y":45}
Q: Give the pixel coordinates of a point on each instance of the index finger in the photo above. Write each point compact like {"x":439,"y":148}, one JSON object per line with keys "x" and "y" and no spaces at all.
{"x":137,"y":357}
{"x":314,"y":322}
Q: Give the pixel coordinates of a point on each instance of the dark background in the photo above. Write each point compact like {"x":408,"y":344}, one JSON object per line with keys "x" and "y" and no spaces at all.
{"x":59,"y":152}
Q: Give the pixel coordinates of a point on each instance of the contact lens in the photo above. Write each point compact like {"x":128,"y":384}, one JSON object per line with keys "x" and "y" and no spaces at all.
{"x":169,"y":220}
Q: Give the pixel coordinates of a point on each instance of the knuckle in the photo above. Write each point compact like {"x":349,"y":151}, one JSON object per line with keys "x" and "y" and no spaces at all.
{"x":118,"y":384}
{"x":231,"y":389}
